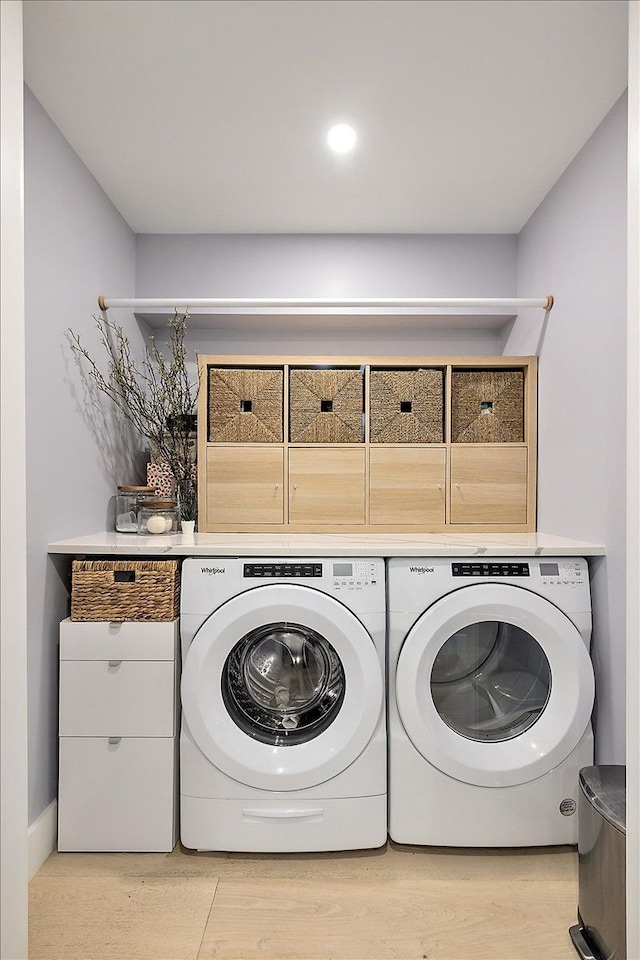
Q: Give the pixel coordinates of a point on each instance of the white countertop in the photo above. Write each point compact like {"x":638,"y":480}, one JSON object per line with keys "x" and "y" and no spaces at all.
{"x":329,"y":545}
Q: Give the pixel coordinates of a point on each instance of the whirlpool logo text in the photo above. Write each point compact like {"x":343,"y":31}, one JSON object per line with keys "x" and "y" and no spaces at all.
{"x":421,"y":570}
{"x":212,"y":570}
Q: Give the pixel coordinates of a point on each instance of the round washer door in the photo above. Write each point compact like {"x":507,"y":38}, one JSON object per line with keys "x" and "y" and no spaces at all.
{"x":282,"y":687}
{"x":494,"y":685}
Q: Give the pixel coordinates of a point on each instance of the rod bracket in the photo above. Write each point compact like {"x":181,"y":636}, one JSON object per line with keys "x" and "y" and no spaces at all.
{"x":550,"y":302}
{"x":102,"y":303}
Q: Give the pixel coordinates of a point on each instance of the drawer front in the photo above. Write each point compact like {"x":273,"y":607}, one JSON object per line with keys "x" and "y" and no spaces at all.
{"x":326,"y":485}
{"x":489,"y":485}
{"x":102,"y":640}
{"x":117,"y":698}
{"x":117,"y":796}
{"x":407,"y":485}
{"x":245,"y":485}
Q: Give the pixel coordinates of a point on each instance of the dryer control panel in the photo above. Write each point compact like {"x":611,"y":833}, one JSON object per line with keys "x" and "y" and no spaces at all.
{"x":490,"y":570}
{"x":563,"y":573}
{"x":416,"y":583}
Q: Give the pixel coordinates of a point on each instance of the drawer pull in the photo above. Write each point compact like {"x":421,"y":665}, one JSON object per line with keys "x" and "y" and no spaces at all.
{"x":115,"y":663}
{"x":282,"y":813}
{"x":114,"y":740}
{"x":124,"y":576}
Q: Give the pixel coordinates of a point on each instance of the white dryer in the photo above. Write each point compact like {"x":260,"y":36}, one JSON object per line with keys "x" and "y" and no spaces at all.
{"x":491,"y":691}
{"x":283,"y":741}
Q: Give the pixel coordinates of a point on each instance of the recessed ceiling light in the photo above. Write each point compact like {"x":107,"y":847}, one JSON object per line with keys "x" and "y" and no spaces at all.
{"x":342,"y":138}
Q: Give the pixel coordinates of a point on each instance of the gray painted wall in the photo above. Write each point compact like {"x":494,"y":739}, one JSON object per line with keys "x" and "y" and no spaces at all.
{"x":330,"y":266}
{"x":77,"y":246}
{"x":326,"y":265}
{"x":574,"y":246}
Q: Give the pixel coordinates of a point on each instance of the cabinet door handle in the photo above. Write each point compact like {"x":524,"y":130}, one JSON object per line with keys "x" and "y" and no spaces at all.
{"x":115,"y":663}
{"x":113,"y":740}
{"x":277,"y":486}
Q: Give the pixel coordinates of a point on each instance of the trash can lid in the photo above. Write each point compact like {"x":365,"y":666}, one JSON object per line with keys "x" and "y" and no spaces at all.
{"x":605,"y":787}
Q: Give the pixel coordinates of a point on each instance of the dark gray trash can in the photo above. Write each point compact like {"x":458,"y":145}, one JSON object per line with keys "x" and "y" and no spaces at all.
{"x":600,"y":933}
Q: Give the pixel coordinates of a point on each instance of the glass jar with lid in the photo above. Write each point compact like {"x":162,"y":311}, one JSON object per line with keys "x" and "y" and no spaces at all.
{"x":128,"y":502}
{"x":158,"y":517}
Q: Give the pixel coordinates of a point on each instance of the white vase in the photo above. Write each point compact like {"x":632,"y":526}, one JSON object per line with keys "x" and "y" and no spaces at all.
{"x":188,"y":528}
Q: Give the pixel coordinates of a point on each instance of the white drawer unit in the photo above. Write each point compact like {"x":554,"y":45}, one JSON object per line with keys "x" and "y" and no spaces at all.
{"x":127,"y":698}
{"x":118,"y":736}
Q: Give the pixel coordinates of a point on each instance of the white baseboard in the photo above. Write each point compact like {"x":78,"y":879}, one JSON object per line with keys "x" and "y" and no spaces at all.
{"x":42,"y":836}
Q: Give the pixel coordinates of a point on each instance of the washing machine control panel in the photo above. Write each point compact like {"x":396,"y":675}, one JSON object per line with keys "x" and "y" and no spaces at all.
{"x":339,"y":575}
{"x":284,"y":570}
{"x":353,"y":576}
{"x":490,"y":569}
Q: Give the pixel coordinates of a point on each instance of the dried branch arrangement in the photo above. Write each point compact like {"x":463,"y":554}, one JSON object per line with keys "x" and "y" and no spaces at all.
{"x":154,"y":394}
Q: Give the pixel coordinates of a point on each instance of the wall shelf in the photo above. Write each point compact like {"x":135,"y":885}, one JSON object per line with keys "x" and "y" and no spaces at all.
{"x":290,"y":319}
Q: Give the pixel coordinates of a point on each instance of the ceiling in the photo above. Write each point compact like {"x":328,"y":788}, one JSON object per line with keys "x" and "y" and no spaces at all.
{"x":209,"y":116}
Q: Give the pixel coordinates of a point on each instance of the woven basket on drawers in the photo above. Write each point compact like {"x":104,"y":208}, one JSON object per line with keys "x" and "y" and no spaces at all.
{"x":245,"y":405}
{"x":487,"y":406}
{"x":326,"y":406}
{"x":119,"y":590}
{"x":406,"y":406}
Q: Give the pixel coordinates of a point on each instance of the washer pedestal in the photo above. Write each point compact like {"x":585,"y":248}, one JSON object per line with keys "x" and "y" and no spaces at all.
{"x":283,"y":825}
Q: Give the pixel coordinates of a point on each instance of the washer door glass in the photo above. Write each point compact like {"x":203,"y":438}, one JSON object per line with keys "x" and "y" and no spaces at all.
{"x":494,"y":685}
{"x":283,"y":684}
{"x":490,"y":681}
{"x":283,"y":687}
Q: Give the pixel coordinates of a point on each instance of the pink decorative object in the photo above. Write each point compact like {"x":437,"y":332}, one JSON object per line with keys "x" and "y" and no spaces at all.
{"x":159,"y":476}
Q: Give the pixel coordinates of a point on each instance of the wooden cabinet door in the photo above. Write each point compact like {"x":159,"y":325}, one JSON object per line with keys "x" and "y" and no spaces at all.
{"x":406,"y":485}
{"x":488,"y":484}
{"x":245,"y":485}
{"x":326,"y":486}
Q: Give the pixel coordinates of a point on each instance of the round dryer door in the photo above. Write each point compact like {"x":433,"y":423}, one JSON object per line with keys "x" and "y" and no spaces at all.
{"x":494,"y":685}
{"x":282,"y":687}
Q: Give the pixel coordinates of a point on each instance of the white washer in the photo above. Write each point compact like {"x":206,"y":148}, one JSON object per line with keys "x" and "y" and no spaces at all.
{"x":283,"y":742}
{"x":491,"y":691}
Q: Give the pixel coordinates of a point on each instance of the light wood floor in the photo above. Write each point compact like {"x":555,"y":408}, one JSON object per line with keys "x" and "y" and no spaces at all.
{"x":408,"y":903}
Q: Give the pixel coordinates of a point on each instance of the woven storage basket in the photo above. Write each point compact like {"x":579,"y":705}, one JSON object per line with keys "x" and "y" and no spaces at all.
{"x":326,"y":406}
{"x":406,"y":406}
{"x":245,"y":405}
{"x":487,"y":406}
{"x":119,"y":590}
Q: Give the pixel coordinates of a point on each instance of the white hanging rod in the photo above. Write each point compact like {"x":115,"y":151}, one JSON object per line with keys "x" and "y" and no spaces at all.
{"x":184,"y":303}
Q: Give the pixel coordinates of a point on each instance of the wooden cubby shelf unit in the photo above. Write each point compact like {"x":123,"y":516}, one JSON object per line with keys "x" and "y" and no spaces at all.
{"x":367,"y":444}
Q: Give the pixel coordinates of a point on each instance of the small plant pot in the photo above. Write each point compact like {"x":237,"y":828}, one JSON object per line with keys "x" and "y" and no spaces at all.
{"x":188,"y":528}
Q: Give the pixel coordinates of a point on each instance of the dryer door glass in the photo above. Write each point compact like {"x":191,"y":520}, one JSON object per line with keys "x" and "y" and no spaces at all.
{"x":490,"y":681}
{"x":283,"y":684}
